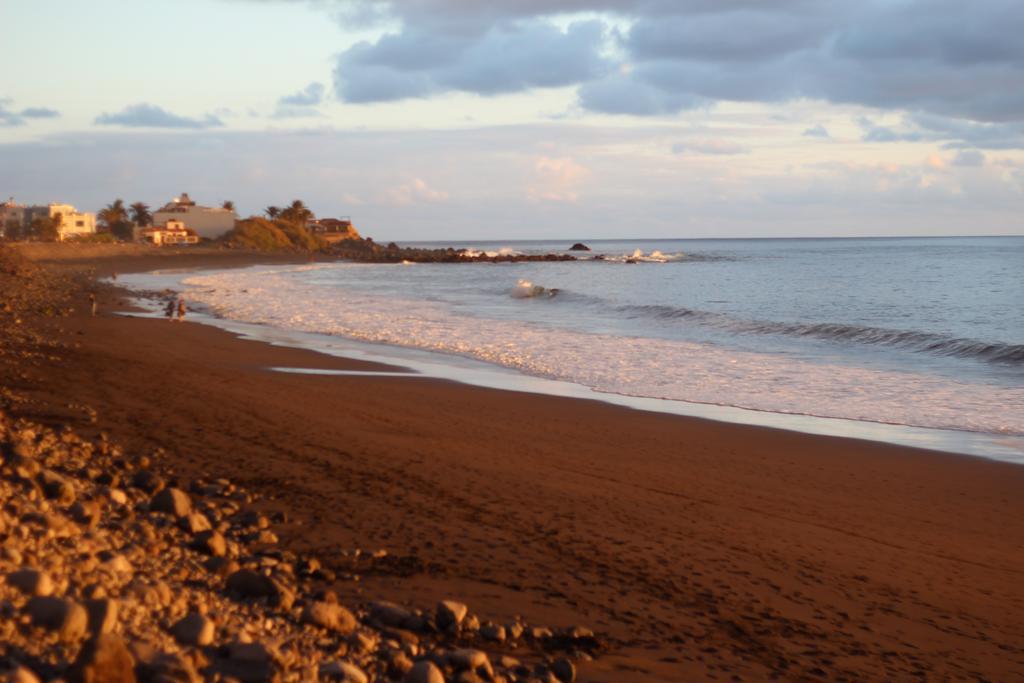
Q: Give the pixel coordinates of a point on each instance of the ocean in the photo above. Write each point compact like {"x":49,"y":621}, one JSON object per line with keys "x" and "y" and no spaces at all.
{"x":916,"y":332}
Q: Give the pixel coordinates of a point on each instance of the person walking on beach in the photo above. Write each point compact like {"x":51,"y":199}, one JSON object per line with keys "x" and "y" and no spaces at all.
{"x":92,"y":303}
{"x":170,"y":308}
{"x":181,"y":309}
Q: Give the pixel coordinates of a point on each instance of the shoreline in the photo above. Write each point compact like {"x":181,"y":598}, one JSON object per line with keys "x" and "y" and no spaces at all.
{"x":475,"y":372}
{"x":699,"y":549}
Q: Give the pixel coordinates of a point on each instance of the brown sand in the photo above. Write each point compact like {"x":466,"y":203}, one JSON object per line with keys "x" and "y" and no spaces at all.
{"x":702,"y":550}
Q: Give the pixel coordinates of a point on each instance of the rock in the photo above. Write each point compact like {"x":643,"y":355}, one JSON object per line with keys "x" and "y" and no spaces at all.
{"x":211,"y":543}
{"x":194,"y":523}
{"x":104,"y":659}
{"x":493,"y":632}
{"x":87,"y":513}
{"x":342,"y":671}
{"x":171,"y":501}
{"x":118,"y":564}
{"x":194,"y":629}
{"x":31,"y":581}
{"x":330,"y":616}
{"x":65,"y":617}
{"x":564,"y":670}
{"x":147,"y":481}
{"x":449,"y":613}
{"x":469,"y":659}
{"x":250,"y":662}
{"x":579,"y":246}
{"x":168,"y":668}
{"x":389,"y":614}
{"x":56,"y":487}
{"x":424,"y":671}
{"x":102,"y":615}
{"x":117,"y":497}
{"x":21,"y":675}
{"x":245,"y":583}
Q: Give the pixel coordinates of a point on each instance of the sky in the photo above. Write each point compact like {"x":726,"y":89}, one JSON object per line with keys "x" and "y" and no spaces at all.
{"x":527,"y":119}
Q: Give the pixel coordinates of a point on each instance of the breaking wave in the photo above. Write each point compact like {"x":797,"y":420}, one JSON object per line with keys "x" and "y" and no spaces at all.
{"x":920,"y":342}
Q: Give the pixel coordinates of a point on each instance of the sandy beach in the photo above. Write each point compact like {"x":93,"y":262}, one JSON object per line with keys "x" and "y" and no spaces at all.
{"x":698,"y":550}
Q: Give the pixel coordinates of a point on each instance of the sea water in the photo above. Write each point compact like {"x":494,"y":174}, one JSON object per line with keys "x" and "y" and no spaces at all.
{"x":923,"y":332}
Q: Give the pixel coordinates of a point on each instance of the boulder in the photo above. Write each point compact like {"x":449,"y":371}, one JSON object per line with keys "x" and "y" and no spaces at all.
{"x":55,"y":487}
{"x":330,"y":616}
{"x":104,"y":659}
{"x":342,"y":671}
{"x":171,"y":501}
{"x":579,"y":246}
{"x":194,"y":629}
{"x":449,"y":613}
{"x":65,"y":617}
{"x":31,"y":581}
{"x":102,"y":614}
{"x":424,"y":671}
{"x":211,"y":543}
{"x":247,"y":584}
{"x":564,"y":670}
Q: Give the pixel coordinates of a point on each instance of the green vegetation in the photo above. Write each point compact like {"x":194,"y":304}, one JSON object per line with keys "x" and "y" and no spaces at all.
{"x":141,"y":215}
{"x":114,"y":217}
{"x":265,"y":235}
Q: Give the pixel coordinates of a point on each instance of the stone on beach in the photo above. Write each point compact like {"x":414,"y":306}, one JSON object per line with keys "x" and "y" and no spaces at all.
{"x":330,"y":616}
{"x":449,"y":613}
{"x":342,"y":671}
{"x":424,"y":671}
{"x":194,"y":629}
{"x":66,"y":618}
{"x":172,"y":501}
{"x":105,"y":659}
{"x":31,"y":582}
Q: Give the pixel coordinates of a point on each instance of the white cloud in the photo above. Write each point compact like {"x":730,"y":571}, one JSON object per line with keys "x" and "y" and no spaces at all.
{"x":556,"y":179}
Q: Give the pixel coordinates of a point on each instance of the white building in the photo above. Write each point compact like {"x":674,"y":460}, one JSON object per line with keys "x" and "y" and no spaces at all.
{"x":206,"y":221}
{"x":70,"y":221}
{"x":172,"y":232}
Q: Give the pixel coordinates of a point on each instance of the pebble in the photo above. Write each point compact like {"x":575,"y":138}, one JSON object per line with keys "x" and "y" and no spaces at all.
{"x":330,"y":616}
{"x":66,"y":618}
{"x":194,"y":629}
{"x":105,"y":659}
{"x":343,"y":671}
{"x":449,"y":613}
{"x":31,"y":582}
{"x":172,"y":501}
{"x":424,"y":671}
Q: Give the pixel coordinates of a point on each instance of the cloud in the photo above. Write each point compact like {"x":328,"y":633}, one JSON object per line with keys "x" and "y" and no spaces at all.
{"x":969,"y":157}
{"x":40,"y":113}
{"x":816,"y":131}
{"x":556,"y":179}
{"x":505,"y":58}
{"x":942,"y":57}
{"x":310,"y":96}
{"x":152,"y":116}
{"x":709,"y":147}
{"x":416,"y":191}
{"x":10,"y":118}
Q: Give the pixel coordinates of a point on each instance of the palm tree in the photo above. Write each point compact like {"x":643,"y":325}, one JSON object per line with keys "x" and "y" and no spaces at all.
{"x":297,"y":212}
{"x":115,"y":218}
{"x":272,"y":212}
{"x":228,"y":204}
{"x":141,"y":215}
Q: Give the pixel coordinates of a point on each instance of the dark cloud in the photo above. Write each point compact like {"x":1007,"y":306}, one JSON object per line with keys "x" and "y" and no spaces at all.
{"x":310,"y":96}
{"x":152,"y":116}
{"x":942,"y":57}
{"x":40,"y":113}
{"x":508,"y":57}
{"x":10,"y":118}
{"x":969,"y":157}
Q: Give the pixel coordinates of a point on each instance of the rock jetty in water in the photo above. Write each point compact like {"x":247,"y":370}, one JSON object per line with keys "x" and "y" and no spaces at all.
{"x":579,"y":246}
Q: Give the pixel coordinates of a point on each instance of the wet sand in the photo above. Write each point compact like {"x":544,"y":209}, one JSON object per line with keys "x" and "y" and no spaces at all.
{"x":702,"y":550}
